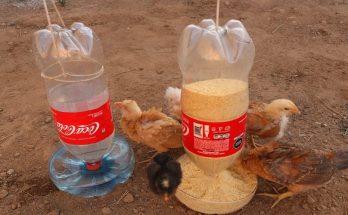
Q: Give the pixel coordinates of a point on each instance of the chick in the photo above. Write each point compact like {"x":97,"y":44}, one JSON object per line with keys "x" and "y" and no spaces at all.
{"x":164,"y":175}
{"x":269,"y":120}
{"x":173,"y":97}
{"x":297,"y":168}
{"x":152,"y":128}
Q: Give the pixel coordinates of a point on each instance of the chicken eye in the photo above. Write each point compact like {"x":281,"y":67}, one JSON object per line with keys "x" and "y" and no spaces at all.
{"x":286,"y":108}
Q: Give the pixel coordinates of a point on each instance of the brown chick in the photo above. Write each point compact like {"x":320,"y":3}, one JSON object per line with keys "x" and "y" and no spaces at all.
{"x":152,"y":128}
{"x":297,"y":168}
{"x":269,"y":120}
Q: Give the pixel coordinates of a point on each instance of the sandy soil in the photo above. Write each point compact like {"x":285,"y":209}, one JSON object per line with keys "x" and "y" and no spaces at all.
{"x":301,"y":53}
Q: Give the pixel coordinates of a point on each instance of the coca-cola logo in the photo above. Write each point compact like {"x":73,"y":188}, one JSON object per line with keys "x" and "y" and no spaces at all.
{"x":68,"y":130}
{"x":185,"y":129}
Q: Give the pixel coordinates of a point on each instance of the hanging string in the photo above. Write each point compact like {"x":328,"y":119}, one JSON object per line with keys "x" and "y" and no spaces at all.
{"x":53,"y":38}
{"x":217,"y":12}
{"x":57,"y":11}
{"x":47,"y":15}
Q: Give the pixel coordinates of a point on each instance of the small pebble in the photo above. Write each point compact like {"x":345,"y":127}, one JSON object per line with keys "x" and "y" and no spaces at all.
{"x":323,"y":207}
{"x":3,"y":194}
{"x":335,"y":203}
{"x":171,"y":206}
{"x":46,"y":202}
{"x":135,"y":211}
{"x":159,"y":72}
{"x":305,"y":206}
{"x":128,"y":198}
{"x":333,"y":209}
{"x":48,"y":119}
{"x":10,"y":171}
{"x":17,"y":155}
{"x":3,"y":174}
{"x":30,"y":146}
{"x":106,"y":210}
{"x":227,"y":3}
{"x":1,"y":110}
{"x":310,"y":200}
{"x":13,"y":206}
{"x":54,"y":212}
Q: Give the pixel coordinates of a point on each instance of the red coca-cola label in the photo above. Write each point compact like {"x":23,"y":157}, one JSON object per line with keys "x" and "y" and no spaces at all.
{"x":213,"y":139}
{"x":86,"y":127}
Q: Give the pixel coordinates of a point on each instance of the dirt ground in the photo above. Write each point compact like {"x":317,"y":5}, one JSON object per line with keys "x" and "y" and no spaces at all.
{"x":301,"y":54}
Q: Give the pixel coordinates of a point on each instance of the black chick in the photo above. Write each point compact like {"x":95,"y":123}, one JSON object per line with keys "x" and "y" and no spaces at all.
{"x":164,"y":174}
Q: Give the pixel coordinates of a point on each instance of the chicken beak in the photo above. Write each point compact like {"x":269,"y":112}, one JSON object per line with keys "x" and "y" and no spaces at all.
{"x":166,"y":197}
{"x":296,"y":111}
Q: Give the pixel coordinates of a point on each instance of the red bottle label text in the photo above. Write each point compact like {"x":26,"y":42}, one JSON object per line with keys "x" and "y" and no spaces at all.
{"x":86,"y":127}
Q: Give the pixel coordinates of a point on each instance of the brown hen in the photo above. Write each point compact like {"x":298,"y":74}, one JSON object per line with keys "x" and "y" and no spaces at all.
{"x":297,"y":168}
{"x":152,"y":128}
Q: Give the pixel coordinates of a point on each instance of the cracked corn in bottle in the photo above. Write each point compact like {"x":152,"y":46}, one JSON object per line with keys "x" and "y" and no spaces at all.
{"x":215,"y":62}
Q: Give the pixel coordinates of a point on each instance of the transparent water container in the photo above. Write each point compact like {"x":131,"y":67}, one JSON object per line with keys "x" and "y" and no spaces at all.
{"x":215,"y":62}
{"x":92,"y":160}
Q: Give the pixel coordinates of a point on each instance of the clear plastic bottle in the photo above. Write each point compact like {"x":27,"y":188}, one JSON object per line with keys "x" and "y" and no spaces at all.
{"x":73,"y":99}
{"x":215,"y":62}
{"x":92,"y":160}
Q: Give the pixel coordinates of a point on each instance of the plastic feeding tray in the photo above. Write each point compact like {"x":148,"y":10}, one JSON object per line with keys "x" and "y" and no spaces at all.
{"x":225,"y":192}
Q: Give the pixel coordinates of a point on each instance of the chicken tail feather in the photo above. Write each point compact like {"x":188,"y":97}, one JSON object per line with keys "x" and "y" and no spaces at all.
{"x":341,"y":160}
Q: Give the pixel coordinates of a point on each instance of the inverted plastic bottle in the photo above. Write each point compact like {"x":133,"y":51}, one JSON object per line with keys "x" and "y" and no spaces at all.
{"x":92,"y":160}
{"x":215,"y":62}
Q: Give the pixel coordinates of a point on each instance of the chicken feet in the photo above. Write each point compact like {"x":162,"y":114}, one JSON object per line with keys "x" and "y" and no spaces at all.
{"x":278,"y":197}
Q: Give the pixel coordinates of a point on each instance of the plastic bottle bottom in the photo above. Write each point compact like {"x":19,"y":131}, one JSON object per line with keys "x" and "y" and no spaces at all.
{"x":71,"y":174}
